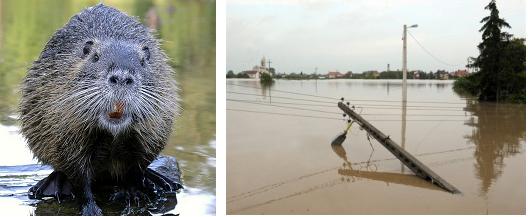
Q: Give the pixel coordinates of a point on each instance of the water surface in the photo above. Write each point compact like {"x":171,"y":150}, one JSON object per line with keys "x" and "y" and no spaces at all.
{"x":280,"y":161}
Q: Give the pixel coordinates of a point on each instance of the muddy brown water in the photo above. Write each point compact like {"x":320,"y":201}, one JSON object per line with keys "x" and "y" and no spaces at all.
{"x":278,"y":163}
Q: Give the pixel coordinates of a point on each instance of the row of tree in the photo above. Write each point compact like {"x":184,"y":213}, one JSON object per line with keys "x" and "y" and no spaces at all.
{"x":439,"y":74}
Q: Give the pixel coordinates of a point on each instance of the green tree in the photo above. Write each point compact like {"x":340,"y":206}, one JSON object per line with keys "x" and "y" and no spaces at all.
{"x":242,"y":75}
{"x":230,"y":74}
{"x":266,"y":78}
{"x":500,"y":63}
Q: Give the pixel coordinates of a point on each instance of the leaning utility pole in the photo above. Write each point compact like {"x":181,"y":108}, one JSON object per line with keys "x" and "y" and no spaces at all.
{"x":405,"y":157}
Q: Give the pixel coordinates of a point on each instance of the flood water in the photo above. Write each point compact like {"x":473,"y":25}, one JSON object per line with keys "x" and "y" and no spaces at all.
{"x":280,"y":161}
{"x":187,"y":30}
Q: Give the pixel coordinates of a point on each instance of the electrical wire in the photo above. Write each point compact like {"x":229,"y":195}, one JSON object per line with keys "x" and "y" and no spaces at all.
{"x":368,"y":100}
{"x":280,"y":97}
{"x":428,"y":52}
{"x":330,"y":112}
{"x":395,"y":107}
{"x":290,"y":92}
{"x":330,"y":118}
{"x":284,"y":114}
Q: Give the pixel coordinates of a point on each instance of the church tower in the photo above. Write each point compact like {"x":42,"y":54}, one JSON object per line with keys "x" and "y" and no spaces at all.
{"x":263,"y":62}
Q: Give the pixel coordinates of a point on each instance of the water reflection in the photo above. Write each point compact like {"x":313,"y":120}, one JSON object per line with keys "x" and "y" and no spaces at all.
{"x":368,"y":170}
{"x":499,"y":131}
{"x":265,"y":90}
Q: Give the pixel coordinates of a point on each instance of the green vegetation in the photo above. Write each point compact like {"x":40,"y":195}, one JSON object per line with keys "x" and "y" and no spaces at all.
{"x":231,"y":74}
{"x":439,"y":74}
{"x":266,"y":79}
{"x":501,"y":63}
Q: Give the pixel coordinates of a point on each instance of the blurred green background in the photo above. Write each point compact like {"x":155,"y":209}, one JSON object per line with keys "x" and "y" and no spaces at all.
{"x":187,"y":31}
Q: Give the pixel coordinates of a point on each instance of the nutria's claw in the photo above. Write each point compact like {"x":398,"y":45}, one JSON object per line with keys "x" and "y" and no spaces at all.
{"x":131,"y":196}
{"x":55,"y":185}
{"x":91,"y":209}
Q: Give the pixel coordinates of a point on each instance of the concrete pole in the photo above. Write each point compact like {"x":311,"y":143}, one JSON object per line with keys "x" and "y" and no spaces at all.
{"x":404,"y":65}
{"x":412,"y":163}
{"x":403,"y":128}
{"x":404,"y":90}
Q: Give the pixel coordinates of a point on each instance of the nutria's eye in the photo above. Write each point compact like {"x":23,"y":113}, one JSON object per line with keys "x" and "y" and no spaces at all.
{"x":95,"y":57}
{"x":146,"y":51}
{"x":87,"y":47}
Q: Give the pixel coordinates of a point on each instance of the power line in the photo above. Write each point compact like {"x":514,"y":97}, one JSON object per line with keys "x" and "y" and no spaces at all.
{"x":284,"y":114}
{"x":395,"y":107}
{"x":428,"y":52}
{"x":268,"y":187}
{"x":368,"y":100}
{"x":288,"y":107}
{"x":290,"y":92}
{"x":383,"y":106}
{"x":280,"y":97}
{"x":329,"y":112}
{"x":330,"y":118}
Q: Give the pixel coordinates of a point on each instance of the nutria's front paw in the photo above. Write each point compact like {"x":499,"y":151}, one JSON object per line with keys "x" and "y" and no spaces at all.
{"x":91,"y":209}
{"x":55,"y":185}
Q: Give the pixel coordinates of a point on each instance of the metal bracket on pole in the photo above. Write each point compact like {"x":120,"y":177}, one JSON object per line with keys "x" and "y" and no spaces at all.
{"x":405,"y":157}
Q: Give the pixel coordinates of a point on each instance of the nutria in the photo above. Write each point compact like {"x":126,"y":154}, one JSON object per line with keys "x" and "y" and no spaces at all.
{"x":99,"y":104}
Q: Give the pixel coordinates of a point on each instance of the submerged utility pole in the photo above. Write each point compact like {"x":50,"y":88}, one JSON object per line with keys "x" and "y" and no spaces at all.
{"x":404,"y":64}
{"x":404,"y":87}
{"x":405,"y":157}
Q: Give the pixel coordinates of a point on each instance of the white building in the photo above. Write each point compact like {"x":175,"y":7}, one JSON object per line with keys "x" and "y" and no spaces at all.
{"x":257,"y":70}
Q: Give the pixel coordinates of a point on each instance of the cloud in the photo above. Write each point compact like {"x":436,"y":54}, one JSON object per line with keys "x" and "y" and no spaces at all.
{"x":356,"y":35}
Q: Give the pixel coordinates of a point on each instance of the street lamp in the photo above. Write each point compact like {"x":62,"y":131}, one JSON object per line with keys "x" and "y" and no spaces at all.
{"x":404,"y":65}
{"x":404,"y":88}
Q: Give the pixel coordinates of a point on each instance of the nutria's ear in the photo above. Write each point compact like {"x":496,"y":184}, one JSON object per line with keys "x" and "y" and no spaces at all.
{"x":87,"y":49}
{"x":146,"y":55}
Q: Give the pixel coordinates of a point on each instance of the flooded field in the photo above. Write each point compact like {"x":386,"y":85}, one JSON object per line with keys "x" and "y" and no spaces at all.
{"x":280,"y":161}
{"x":187,"y":30}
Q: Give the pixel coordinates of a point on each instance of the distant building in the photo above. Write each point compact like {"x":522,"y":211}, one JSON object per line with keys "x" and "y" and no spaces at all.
{"x":416,"y":75}
{"x":442,"y":75}
{"x":460,"y":73}
{"x":252,"y":74}
{"x":335,"y":74}
{"x":257,"y":70}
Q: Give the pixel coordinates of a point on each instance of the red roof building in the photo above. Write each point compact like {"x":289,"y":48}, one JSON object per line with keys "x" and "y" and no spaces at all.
{"x":335,"y":75}
{"x":461,"y":73}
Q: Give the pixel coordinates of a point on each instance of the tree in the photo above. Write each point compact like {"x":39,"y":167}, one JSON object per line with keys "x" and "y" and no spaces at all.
{"x":230,"y":74}
{"x":242,"y":75}
{"x":272,"y":71}
{"x":266,"y":78}
{"x":490,"y":83}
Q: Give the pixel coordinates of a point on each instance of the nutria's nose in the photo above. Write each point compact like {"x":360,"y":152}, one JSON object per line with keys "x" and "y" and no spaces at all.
{"x":120,"y":79}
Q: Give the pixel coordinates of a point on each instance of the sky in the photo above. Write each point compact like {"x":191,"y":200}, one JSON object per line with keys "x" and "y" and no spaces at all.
{"x":359,"y":35}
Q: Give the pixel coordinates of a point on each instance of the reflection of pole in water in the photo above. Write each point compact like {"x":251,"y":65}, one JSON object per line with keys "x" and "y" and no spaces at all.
{"x":403,"y":126}
{"x":387,"y":88}
{"x":316,"y":78}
